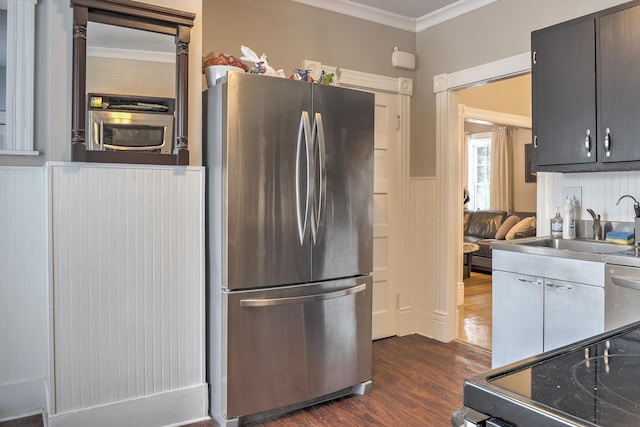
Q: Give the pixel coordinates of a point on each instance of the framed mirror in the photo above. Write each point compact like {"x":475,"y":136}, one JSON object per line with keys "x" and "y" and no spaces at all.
{"x":135,"y":22}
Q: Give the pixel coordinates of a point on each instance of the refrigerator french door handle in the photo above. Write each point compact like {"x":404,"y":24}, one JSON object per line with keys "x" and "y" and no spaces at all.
{"x":317,"y":214}
{"x":303,"y":133}
{"x":269,"y":302}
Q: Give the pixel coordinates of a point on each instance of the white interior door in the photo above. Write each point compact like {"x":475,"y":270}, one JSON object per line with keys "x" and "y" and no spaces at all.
{"x":385,"y":294}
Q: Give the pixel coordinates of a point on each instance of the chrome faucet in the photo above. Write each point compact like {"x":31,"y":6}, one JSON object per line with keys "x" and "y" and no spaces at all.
{"x":597,"y":227}
{"x":636,"y":230}
{"x":636,"y":205}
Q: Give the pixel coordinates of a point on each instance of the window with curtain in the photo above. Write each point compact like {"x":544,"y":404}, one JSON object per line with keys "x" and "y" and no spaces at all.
{"x":479,"y":170}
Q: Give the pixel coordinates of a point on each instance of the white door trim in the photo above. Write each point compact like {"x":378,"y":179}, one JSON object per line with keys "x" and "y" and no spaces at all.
{"x":449,"y":180}
{"x":403,"y":87}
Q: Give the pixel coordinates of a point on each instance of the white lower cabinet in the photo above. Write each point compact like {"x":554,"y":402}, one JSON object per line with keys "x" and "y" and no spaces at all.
{"x":518,"y":305}
{"x":572,"y":311}
{"x":535,"y":309}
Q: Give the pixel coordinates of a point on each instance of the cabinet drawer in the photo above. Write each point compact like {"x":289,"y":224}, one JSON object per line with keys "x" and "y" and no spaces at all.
{"x":572,"y":270}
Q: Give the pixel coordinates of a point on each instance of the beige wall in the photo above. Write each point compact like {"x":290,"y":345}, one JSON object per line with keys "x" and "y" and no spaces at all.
{"x":497,"y":31}
{"x":290,"y":32}
{"x":524,"y":193}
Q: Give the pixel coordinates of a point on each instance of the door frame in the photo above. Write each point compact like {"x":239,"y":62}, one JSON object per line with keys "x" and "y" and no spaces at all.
{"x":449,"y":180}
{"x":403,"y":88}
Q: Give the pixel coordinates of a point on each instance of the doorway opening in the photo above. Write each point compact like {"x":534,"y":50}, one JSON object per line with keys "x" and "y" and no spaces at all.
{"x":510,"y":103}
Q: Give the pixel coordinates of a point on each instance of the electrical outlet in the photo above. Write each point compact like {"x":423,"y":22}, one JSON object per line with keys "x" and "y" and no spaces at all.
{"x":574,"y":193}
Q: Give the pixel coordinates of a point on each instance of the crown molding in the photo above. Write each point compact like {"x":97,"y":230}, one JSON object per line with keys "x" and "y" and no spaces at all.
{"x":365,"y":12}
{"x":449,"y":12}
{"x":394,"y":20}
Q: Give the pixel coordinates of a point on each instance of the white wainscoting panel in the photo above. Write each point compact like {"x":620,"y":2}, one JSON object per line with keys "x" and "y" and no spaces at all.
{"x":128,"y":282}
{"x":23,"y":291}
{"x":421,"y":239}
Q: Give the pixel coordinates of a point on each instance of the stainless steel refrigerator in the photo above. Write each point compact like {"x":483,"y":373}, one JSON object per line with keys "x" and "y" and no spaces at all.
{"x":289,"y":243}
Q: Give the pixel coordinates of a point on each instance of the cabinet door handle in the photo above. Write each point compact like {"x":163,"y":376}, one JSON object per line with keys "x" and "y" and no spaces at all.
{"x":553,"y":285}
{"x":533,"y":282}
{"x":607,"y":142}
{"x":587,"y":142}
{"x":535,"y":141}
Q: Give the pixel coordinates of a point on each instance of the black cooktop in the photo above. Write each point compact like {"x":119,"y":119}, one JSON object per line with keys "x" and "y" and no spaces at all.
{"x":592,"y":383}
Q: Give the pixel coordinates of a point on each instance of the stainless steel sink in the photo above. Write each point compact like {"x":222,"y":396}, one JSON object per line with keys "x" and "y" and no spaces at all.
{"x":579,"y":245}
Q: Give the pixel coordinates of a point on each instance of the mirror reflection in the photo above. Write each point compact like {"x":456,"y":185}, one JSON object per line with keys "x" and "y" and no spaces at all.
{"x":129,"y":61}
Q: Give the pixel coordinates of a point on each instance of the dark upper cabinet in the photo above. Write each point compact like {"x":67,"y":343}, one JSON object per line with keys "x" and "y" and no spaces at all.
{"x":586,"y":93}
{"x":564,"y":94}
{"x":619,"y":87}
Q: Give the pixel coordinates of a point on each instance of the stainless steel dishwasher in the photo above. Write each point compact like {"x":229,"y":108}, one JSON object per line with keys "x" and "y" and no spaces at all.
{"x":622,"y":296}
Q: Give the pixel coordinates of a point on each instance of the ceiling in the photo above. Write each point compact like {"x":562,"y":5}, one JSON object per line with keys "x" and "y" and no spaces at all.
{"x":410,"y":15}
{"x":408,"y":8}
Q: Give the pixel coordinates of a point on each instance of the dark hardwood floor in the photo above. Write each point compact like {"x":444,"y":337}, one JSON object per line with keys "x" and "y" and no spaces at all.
{"x":474,"y":316}
{"x":28,"y":421}
{"x":417,"y":381}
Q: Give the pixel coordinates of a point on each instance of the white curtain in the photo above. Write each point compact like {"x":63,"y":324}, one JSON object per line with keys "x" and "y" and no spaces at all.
{"x":501,"y":192}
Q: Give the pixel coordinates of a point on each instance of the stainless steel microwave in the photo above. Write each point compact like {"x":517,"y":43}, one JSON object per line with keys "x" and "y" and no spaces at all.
{"x":130,"y":123}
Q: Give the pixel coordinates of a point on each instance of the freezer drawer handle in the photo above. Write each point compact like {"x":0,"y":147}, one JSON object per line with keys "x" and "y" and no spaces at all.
{"x":267,"y":302}
{"x":303,"y":133}
{"x":625,"y":282}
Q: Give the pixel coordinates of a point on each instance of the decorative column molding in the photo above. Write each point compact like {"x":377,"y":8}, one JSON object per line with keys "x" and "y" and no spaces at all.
{"x":182,"y":90}
{"x":440,"y":83}
{"x":20,"y":77}
{"x":79,"y":83}
{"x":405,"y":86}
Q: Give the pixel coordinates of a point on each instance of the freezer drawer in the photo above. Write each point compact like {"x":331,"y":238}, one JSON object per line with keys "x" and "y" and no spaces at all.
{"x":289,"y":345}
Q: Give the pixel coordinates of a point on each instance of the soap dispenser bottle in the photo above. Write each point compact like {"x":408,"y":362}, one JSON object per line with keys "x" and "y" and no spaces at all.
{"x":569,"y":222}
{"x":556,"y":225}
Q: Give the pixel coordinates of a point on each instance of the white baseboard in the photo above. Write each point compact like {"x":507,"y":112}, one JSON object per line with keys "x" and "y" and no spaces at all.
{"x":27,"y":397}
{"x":176,"y":407}
{"x":440,"y":332}
{"x":422,"y":321}
{"x":405,"y":317}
